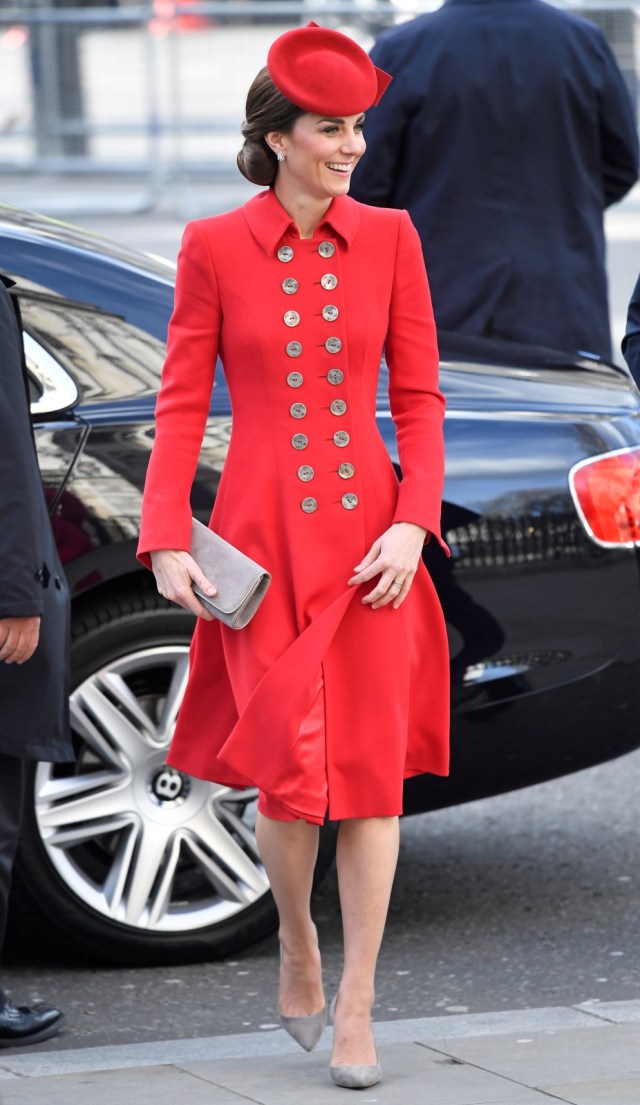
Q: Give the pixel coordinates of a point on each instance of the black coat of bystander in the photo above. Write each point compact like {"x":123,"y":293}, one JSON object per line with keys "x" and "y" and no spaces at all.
{"x":33,"y":696}
{"x":506,"y":132}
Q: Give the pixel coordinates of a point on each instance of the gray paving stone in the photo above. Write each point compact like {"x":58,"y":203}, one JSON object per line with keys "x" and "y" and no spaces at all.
{"x":151,"y":1086}
{"x":412,"y":1075}
{"x":626,"y":1092}
{"x":490,"y":1024}
{"x":34,"y":1064}
{"x":575,"y":1056}
{"x":620,"y":1012}
{"x":588,"y":1055}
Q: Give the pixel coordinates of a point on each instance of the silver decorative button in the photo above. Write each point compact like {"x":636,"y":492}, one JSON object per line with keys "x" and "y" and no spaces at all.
{"x":335,"y":376}
{"x":326,"y":249}
{"x":341,"y":438}
{"x":330,"y":313}
{"x":305,"y":473}
{"x":329,"y":281}
{"x":290,"y":286}
{"x":338,"y":406}
{"x":297,"y":410}
{"x":299,"y":441}
{"x":295,"y":379}
{"x":294,"y":349}
{"x":309,"y":505}
{"x":291,"y":318}
{"x":346,"y":470}
{"x":285,"y":253}
{"x":349,"y":501}
{"x":333,"y":345}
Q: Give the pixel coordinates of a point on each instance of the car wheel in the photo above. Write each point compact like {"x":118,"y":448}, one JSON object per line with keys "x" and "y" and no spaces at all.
{"x":133,"y":860}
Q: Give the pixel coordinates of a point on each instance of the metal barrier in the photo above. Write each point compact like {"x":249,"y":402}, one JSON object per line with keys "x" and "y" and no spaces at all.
{"x":154,"y":91}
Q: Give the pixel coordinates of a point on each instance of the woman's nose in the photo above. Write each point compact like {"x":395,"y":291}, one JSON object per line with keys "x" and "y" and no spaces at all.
{"x":354,"y":144}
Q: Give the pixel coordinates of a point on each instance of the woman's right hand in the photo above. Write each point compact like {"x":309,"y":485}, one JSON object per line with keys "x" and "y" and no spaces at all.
{"x":175,"y":571}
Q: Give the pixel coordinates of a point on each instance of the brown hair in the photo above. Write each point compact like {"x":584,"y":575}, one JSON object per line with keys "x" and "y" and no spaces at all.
{"x":267,"y":109}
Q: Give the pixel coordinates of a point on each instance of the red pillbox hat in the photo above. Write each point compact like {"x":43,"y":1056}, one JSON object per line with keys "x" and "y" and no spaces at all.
{"x":325,"y":72}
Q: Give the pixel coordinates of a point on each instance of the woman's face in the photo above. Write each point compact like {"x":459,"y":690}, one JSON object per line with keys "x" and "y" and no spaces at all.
{"x":321,"y":153}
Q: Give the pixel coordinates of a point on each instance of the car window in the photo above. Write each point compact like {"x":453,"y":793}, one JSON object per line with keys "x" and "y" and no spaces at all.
{"x":106,"y":356}
{"x":51,"y":389}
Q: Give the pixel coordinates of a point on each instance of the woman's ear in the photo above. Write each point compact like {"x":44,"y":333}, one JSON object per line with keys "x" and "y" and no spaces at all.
{"x":274,"y":141}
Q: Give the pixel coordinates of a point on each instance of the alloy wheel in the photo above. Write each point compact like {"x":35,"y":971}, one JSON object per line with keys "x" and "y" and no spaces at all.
{"x":135,"y":840}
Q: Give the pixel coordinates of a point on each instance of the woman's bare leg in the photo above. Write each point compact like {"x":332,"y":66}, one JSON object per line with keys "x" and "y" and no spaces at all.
{"x":367,"y":855}
{"x":289,"y":850}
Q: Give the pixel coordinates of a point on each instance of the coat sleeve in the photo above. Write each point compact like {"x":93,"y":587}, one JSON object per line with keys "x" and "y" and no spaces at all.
{"x":618,"y":132}
{"x":20,"y":536}
{"x":631,"y":340}
{"x":184,"y":399}
{"x":417,"y":404}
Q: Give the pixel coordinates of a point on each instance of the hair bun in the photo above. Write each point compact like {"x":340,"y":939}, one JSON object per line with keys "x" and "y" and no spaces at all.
{"x":257,"y":162}
{"x":267,"y":110}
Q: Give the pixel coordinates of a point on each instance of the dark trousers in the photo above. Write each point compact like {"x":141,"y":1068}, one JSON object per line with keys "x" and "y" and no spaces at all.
{"x":12,"y":786}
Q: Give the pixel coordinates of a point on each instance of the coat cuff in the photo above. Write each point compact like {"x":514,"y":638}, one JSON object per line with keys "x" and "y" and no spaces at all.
{"x":29,"y":608}
{"x":407,"y":512}
{"x":159,"y":531}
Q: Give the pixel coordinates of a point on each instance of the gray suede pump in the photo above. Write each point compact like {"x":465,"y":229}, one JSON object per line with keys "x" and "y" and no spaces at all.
{"x":306,"y":1031}
{"x":354,"y":1077}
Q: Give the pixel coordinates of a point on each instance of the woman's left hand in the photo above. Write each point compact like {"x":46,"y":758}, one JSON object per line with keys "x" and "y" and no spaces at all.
{"x":394,"y":557}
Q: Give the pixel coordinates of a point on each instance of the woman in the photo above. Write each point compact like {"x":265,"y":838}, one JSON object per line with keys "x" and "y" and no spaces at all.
{"x":337,"y":689}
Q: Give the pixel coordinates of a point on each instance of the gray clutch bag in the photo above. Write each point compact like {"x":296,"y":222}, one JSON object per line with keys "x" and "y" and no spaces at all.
{"x":241,"y":583}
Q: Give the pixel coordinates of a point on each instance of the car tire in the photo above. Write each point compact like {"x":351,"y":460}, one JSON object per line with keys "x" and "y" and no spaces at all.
{"x":130,"y":861}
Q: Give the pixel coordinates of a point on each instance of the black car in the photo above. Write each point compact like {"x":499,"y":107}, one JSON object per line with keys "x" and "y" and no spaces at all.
{"x":133,"y":861}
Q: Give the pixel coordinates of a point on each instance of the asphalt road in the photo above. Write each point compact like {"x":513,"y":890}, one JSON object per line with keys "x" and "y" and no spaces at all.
{"x":526,"y":900}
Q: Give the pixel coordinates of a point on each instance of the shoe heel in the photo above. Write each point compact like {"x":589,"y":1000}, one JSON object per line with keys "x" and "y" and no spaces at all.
{"x":354,"y":1077}
{"x":306,"y":1031}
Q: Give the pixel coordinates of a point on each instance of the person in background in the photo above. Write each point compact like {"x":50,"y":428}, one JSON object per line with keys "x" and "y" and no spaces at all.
{"x":34,"y":630}
{"x":507,"y":131}
{"x":631,"y":340}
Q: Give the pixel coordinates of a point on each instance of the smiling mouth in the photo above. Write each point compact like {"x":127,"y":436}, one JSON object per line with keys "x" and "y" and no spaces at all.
{"x":338,"y":167}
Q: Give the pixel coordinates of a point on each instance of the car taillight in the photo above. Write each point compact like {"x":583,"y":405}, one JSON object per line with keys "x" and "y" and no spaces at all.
{"x":606,"y":492}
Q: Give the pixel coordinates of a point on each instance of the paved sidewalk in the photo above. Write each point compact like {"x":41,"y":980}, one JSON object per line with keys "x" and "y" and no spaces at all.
{"x":584,"y":1055}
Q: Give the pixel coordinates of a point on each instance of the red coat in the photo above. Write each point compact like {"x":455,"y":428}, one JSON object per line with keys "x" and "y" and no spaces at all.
{"x":307,"y":504}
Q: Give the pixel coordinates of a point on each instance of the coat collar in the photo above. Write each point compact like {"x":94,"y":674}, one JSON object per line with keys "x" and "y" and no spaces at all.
{"x":269,"y":222}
